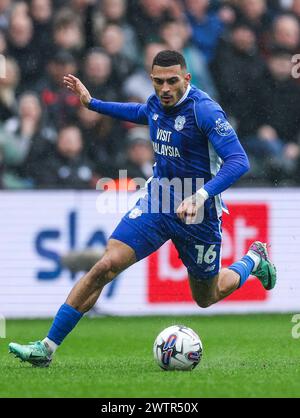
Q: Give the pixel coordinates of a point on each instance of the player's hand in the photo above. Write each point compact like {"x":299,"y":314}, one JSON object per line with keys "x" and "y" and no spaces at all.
{"x":76,"y":86}
{"x":189,"y":210}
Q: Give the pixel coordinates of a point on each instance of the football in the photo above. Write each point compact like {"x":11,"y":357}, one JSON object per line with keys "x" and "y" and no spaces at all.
{"x":178,"y":348}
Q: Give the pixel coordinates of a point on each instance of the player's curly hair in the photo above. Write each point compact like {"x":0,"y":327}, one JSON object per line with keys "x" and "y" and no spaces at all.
{"x":167,"y":58}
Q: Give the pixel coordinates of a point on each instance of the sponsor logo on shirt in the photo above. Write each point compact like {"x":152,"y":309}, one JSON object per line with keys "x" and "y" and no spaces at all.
{"x":163,"y":147}
{"x":166,"y":150}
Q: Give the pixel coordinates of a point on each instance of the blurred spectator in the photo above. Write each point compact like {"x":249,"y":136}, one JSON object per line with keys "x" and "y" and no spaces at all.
{"x":80,"y":6}
{"x":8,"y":101}
{"x":60,"y":104}
{"x":207,"y":27}
{"x":138,"y":87}
{"x":68,"y":32}
{"x":112,"y":40}
{"x":103,"y":141}
{"x":147,"y":15}
{"x":140,"y":157}
{"x":97,"y":75}
{"x":286,"y":33}
{"x":45,"y":39}
{"x":30,"y":139}
{"x":238,"y":70}
{"x":255,"y":14}
{"x":279,"y":99}
{"x":5,"y":6}
{"x":21,"y":47}
{"x":265,"y":151}
{"x":41,"y":13}
{"x":68,"y":167}
{"x":278,"y":118}
{"x":113,"y":11}
{"x":176,"y":35}
{"x":87,"y":10}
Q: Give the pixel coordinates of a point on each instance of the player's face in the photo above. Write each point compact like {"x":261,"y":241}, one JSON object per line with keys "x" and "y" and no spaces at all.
{"x":170,"y":83}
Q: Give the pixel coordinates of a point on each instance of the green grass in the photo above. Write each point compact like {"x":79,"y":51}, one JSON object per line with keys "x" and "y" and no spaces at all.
{"x":244,"y":356}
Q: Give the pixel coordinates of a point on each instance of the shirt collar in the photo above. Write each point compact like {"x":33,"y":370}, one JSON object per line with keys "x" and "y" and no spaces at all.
{"x":184,"y":96}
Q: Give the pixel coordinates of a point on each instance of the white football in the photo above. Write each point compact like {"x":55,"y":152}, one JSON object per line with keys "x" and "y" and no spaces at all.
{"x":178,"y":348}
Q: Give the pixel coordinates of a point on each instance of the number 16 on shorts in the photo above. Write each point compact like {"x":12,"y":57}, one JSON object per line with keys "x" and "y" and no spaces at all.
{"x":207,"y":256}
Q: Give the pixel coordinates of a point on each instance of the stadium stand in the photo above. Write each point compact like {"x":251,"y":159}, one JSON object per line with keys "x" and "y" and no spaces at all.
{"x":239,"y":51}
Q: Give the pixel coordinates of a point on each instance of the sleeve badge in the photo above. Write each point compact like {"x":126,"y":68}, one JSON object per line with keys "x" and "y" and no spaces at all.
{"x":223,"y":127}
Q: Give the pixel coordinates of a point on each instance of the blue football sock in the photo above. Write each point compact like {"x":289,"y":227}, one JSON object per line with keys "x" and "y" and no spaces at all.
{"x":65,"y":320}
{"x":244,"y":268}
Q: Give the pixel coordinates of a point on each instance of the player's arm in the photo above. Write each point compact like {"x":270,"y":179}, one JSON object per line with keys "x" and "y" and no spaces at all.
{"x":132,"y":112}
{"x":213,"y":122}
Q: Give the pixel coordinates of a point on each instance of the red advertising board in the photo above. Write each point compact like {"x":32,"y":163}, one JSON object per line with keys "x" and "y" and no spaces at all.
{"x":167,"y":277}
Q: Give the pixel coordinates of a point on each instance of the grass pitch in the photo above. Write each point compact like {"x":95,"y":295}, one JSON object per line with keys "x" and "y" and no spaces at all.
{"x":244,"y":356}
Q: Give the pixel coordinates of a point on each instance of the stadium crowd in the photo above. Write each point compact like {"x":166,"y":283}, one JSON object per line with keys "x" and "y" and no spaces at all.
{"x":239,"y":51}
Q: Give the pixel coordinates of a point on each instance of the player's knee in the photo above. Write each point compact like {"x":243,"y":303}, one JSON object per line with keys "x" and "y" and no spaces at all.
{"x":203,"y":303}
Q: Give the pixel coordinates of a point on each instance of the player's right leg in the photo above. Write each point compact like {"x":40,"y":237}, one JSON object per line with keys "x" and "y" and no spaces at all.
{"x":118,"y":257}
{"x":137,"y":236}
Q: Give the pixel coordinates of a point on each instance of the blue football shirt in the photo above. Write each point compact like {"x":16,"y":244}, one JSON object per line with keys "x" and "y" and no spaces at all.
{"x":191,"y":140}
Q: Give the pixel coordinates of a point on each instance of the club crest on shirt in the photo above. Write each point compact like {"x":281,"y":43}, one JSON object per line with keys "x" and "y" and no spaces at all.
{"x":223,"y":127}
{"x":179,"y":123}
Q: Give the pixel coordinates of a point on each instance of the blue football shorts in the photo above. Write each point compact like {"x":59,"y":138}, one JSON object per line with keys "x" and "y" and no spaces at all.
{"x":198,"y":246}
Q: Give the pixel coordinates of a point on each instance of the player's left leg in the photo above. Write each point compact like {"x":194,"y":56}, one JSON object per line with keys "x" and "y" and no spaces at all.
{"x":207,"y":292}
{"x":199,"y":247}
{"x":210,"y":291}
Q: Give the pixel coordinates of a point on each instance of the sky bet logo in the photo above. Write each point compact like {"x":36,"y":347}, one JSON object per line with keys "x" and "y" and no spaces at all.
{"x":46,"y":239}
